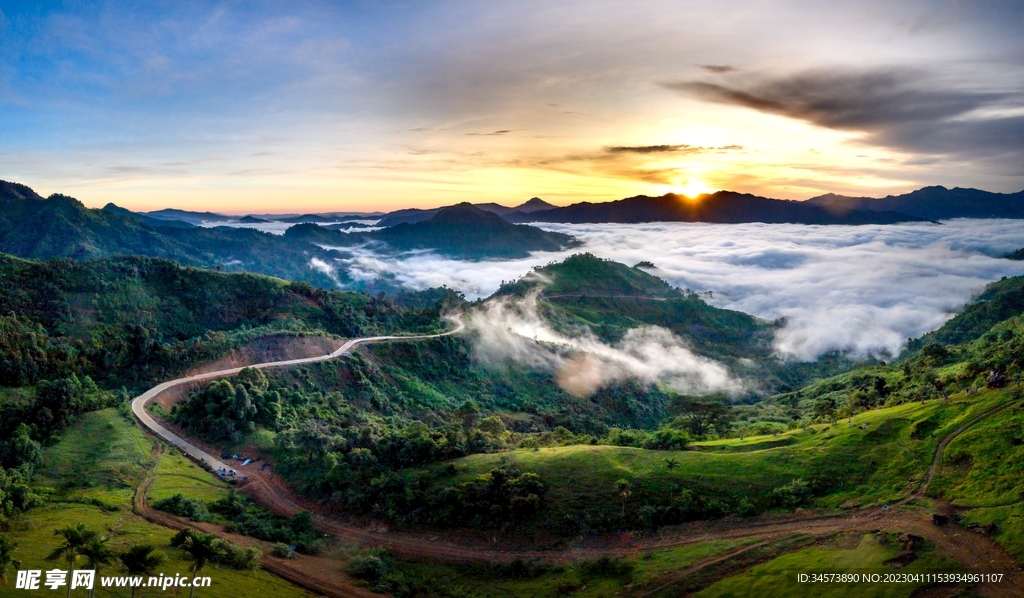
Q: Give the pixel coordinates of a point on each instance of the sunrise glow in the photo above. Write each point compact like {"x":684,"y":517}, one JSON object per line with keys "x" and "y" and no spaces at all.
{"x":322,"y":107}
{"x":693,"y":189}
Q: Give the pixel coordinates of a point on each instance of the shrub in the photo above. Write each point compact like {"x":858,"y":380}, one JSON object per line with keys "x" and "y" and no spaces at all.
{"x":606,"y":567}
{"x":792,"y":494}
{"x":283,"y":551}
{"x":181,"y":506}
{"x":371,"y":566}
{"x":241,"y":559}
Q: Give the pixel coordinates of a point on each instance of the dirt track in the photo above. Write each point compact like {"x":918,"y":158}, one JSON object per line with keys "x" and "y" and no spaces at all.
{"x":320,"y":575}
{"x":976,"y":552}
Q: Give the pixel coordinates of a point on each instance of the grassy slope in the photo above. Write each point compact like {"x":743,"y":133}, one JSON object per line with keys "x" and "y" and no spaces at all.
{"x":778,"y":576}
{"x":869,"y":466}
{"x":981,"y":474}
{"x":177,"y":475}
{"x":104,"y":457}
{"x":578,"y":579}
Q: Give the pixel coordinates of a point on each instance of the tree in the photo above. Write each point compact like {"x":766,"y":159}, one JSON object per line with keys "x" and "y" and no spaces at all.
{"x":701,"y":415}
{"x":140,"y":560}
{"x":97,"y":554}
{"x":201,"y":548}
{"x":671,"y":463}
{"x":75,"y":538}
{"x":623,"y":487}
{"x":7,"y":559}
{"x":20,"y":449}
{"x":468,"y":412}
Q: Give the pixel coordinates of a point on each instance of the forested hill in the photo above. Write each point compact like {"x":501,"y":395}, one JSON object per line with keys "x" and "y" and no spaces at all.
{"x":60,"y":226}
{"x":610,"y":299}
{"x":586,"y":274}
{"x":1002,"y":300}
{"x":462,"y":231}
{"x":129,"y":320}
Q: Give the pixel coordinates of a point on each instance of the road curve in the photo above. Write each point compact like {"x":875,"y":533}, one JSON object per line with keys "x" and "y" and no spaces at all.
{"x":214,"y":464}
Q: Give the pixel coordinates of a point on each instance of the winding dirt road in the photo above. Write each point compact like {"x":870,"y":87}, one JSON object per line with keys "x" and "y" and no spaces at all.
{"x":978,"y":553}
{"x":212,"y":463}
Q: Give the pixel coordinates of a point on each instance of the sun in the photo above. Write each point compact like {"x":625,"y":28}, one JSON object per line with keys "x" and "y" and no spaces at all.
{"x":692,"y":188}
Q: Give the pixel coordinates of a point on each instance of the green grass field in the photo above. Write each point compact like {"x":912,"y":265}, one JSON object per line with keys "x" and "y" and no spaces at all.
{"x":101,"y":459}
{"x":847,"y":554}
{"x":177,"y":475}
{"x":583,"y":579}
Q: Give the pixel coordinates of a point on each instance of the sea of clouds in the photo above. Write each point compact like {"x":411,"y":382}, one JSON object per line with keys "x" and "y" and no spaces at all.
{"x":862,"y":289}
{"x":275,"y":227}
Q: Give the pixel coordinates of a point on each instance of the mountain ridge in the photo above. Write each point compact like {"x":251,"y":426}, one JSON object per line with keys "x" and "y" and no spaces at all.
{"x":722,"y":207}
{"x":934,"y":203}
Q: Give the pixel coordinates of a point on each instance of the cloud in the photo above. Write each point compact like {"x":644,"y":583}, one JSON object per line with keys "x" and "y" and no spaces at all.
{"x":512,"y":330}
{"x":650,"y":149}
{"x":500,"y":132}
{"x":717,"y":68}
{"x":864,"y":289}
{"x":682,"y":148}
{"x":903,"y":108}
{"x":321,"y":266}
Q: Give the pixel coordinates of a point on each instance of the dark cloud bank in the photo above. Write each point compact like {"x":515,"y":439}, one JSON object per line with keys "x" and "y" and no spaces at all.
{"x":902,"y":108}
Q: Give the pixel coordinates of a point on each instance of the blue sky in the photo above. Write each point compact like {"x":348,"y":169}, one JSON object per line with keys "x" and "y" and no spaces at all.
{"x":256,"y":107}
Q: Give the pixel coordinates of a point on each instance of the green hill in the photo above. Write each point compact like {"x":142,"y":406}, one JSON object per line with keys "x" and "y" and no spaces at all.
{"x":61,"y":226}
{"x":462,"y":231}
{"x":610,"y":298}
{"x":585,"y":274}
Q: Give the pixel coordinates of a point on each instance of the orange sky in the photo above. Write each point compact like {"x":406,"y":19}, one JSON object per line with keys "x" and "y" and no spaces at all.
{"x":326,"y":107}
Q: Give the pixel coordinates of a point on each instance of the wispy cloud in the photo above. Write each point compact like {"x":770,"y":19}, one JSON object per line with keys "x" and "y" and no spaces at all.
{"x":717,"y":68}
{"x":492,"y":133}
{"x":512,"y":330}
{"x":669,"y":149}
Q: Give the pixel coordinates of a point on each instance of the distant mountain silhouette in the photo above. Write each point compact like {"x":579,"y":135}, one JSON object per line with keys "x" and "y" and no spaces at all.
{"x":308,"y":218}
{"x":186,"y":216}
{"x":462,"y":230}
{"x":153,"y":222}
{"x":933,"y":203}
{"x":721,"y":207}
{"x":411,"y":215}
{"x":535,"y":204}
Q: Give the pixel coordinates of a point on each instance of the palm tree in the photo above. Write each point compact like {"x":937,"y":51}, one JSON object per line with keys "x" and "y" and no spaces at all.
{"x":96,"y":554}
{"x":671,"y":463}
{"x":140,"y":560}
{"x":7,"y":559}
{"x":74,"y":539}
{"x":624,"y":492}
{"x":202,"y":548}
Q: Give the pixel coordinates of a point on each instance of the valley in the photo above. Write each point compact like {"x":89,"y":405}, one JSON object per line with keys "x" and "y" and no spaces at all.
{"x":437,"y":468}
